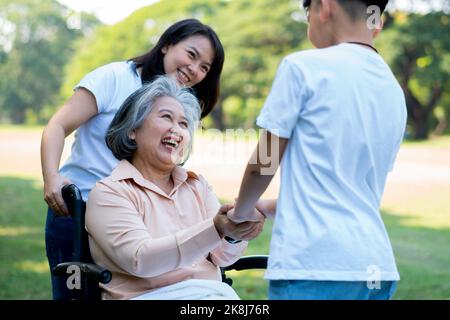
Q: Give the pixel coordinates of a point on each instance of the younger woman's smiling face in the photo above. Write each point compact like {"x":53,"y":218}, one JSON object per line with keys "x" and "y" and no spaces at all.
{"x":189,"y":61}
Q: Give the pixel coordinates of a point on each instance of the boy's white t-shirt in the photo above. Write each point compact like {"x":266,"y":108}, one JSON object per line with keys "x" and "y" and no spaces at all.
{"x":90,"y":159}
{"x":344,"y":114}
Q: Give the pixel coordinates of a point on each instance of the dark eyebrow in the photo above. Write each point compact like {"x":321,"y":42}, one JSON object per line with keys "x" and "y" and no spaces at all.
{"x":198,"y":54}
{"x":169,"y":111}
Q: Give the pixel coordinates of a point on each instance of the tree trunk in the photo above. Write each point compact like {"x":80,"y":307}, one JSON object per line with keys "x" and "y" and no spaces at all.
{"x":421,"y":127}
{"x":441,"y":127}
{"x":18,"y":116}
{"x":419,"y":116}
{"x":420,"y":113}
{"x":217,"y":117}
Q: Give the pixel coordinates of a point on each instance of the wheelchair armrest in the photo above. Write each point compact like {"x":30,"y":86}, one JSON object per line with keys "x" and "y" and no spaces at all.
{"x":93,"y":271}
{"x":249,"y":262}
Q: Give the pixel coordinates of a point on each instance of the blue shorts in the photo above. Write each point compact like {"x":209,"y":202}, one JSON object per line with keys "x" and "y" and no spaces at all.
{"x":329,"y":290}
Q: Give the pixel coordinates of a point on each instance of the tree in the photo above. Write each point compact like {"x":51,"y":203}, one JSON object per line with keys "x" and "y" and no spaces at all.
{"x":131,"y":37}
{"x":418,"y":50}
{"x":255,"y":35}
{"x":35,"y":44}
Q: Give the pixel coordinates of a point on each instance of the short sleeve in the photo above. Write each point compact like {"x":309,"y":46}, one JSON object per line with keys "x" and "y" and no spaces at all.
{"x":101,"y":83}
{"x":282,"y":108}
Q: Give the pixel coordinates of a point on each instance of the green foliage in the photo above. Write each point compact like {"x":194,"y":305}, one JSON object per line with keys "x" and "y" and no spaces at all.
{"x":418,"y":51}
{"x":36,"y":43}
{"x":40,"y":71}
{"x":24,"y":271}
{"x":131,"y":37}
{"x":420,"y":40}
{"x":255,"y":35}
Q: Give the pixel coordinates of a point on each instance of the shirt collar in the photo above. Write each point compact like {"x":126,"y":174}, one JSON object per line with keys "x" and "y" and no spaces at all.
{"x":125,"y":170}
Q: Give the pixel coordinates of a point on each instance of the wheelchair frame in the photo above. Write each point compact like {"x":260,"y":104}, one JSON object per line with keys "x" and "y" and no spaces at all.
{"x":91,"y":274}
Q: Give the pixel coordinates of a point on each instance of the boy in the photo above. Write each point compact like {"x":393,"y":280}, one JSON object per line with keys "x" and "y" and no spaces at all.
{"x":336,"y":117}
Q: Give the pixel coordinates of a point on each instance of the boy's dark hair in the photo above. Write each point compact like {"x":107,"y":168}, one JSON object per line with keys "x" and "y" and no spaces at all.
{"x":152,"y":62}
{"x":356,"y":8}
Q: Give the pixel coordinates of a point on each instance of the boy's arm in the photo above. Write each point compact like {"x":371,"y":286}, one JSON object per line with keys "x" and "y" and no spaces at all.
{"x":259,"y":172}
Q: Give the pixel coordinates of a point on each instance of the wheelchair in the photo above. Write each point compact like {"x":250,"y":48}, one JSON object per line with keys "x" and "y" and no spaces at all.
{"x":91,"y":275}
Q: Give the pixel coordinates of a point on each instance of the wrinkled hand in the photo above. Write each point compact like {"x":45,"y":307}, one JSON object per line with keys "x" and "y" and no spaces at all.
{"x":257,"y":223}
{"x":257,"y":227}
{"x":238,"y":216}
{"x":246,"y":230}
{"x":238,"y":231}
{"x":53,"y":195}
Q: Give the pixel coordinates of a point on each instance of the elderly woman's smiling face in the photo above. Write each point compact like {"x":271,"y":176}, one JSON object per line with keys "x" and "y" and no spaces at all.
{"x":164,"y":136}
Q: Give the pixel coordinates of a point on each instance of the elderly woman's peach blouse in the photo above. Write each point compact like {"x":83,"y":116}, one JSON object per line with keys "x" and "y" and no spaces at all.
{"x":150,"y":239}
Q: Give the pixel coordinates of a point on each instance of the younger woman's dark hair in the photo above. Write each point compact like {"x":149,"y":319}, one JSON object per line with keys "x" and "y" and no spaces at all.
{"x":152,"y":62}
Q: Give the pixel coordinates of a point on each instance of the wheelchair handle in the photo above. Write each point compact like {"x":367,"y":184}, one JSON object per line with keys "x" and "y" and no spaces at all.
{"x":74,"y":202}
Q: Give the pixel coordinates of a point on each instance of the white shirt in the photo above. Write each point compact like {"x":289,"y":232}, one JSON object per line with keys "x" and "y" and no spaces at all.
{"x":90,"y":159}
{"x":344,"y":114}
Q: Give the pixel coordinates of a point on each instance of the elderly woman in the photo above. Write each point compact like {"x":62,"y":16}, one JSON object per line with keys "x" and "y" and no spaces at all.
{"x":159,"y":228}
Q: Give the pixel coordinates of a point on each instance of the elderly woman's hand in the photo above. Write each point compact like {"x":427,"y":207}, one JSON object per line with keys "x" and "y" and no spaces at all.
{"x":257,"y":227}
{"x":238,"y":231}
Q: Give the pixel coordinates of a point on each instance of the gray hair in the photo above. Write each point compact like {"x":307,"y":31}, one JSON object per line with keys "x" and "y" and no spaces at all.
{"x":135,"y":109}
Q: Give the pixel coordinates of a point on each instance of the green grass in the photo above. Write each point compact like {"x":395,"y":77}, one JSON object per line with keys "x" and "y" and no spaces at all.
{"x":423,"y":257}
{"x":23,"y":265}
{"x":20,"y":128}
{"x":420,"y":235}
{"x":439,"y":142}
{"x":250,"y":284}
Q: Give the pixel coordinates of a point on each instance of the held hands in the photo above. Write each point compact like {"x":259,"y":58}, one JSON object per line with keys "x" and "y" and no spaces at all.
{"x":53,"y":195}
{"x":238,"y":231}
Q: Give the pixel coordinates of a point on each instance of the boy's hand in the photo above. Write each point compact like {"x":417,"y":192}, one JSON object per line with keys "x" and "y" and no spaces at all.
{"x":238,"y":231}
{"x":254,"y":216}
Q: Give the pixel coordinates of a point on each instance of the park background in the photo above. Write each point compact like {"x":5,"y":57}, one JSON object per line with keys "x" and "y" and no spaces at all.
{"x":46,"y":47}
